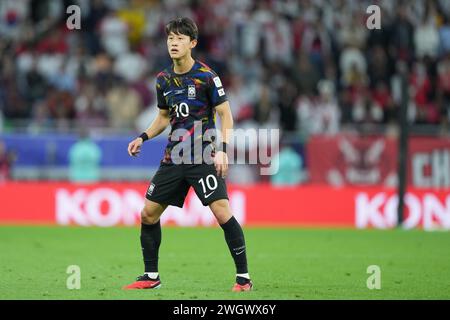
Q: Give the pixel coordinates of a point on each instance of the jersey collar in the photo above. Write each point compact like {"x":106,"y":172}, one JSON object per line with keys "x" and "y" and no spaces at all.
{"x":194,"y":67}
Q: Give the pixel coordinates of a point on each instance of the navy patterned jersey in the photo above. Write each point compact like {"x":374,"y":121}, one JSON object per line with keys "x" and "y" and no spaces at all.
{"x":190,"y":98}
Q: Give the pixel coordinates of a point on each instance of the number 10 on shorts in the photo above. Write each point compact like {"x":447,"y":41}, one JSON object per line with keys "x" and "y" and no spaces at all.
{"x":209,"y":182}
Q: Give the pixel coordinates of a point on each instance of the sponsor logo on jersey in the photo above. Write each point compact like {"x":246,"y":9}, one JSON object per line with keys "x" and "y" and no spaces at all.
{"x":221,"y":92}
{"x":217,"y":82}
{"x":191,"y":91}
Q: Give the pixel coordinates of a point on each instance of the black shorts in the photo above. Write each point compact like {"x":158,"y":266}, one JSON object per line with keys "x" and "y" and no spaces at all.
{"x":171,"y":183}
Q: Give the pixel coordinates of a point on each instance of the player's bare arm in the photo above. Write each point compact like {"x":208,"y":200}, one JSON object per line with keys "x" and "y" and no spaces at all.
{"x":226,"y":120}
{"x":158,"y":125}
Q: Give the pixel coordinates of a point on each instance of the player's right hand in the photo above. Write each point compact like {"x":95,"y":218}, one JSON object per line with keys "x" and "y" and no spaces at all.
{"x":134,"y":147}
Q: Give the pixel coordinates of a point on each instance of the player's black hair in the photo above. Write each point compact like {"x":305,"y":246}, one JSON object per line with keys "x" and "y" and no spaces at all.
{"x":183,"y":26}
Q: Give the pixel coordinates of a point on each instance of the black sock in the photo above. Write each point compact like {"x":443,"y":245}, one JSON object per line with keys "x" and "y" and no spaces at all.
{"x":236,"y":243}
{"x":150,"y":241}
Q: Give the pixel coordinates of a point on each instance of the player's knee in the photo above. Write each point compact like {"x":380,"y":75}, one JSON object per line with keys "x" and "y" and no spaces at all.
{"x":148,"y":216}
{"x":219,"y":206}
{"x":221,"y":210}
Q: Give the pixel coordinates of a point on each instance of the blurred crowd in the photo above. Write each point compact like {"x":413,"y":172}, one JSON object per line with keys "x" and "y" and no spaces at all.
{"x":309,"y":66}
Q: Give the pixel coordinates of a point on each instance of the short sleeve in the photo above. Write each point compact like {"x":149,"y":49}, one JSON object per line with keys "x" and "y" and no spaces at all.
{"x":216,"y":91}
{"x":161,"y":100}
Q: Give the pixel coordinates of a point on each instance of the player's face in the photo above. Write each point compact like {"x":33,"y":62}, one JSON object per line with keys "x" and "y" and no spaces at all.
{"x":179,"y":45}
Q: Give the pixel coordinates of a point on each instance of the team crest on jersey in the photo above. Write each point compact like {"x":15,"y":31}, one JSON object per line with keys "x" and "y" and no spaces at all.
{"x":191,"y":91}
{"x":150,"y":189}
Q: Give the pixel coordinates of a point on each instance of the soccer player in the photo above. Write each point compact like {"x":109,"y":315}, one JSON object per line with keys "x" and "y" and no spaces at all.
{"x":189,"y":94}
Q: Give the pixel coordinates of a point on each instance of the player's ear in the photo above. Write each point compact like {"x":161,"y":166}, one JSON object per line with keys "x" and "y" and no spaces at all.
{"x":193,"y":43}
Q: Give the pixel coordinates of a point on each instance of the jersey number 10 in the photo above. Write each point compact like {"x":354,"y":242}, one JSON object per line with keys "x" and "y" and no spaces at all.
{"x":181,"y":109}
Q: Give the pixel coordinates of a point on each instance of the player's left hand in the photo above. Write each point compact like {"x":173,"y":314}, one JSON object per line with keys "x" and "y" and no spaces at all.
{"x":134,"y":147}
{"x":221,"y":163}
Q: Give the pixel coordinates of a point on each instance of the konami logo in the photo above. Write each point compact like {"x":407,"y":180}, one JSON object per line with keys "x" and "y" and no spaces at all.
{"x":107,"y":207}
{"x":380,"y":211}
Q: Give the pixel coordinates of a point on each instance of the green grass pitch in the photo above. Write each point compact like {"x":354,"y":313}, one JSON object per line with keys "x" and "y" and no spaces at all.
{"x":285,"y":263}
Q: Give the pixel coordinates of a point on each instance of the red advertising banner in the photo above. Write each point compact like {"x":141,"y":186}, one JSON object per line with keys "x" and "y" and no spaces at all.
{"x":354,"y":160}
{"x":429,"y":162}
{"x":111,"y":204}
